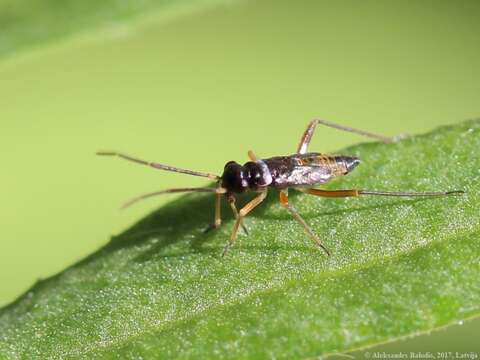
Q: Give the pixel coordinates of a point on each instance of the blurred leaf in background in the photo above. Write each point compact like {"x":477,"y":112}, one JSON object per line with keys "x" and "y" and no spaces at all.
{"x":195,"y":92}
{"x":28,"y":23}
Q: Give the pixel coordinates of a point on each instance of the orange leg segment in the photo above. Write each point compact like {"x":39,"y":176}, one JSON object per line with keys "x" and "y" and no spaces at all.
{"x":231,"y":201}
{"x":218,"y":218}
{"x":252,"y":155}
{"x":358,"y":192}
{"x":331,"y":193}
{"x":242,"y":213}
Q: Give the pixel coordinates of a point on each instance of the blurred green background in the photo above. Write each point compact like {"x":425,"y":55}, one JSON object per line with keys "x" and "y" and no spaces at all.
{"x":201,"y":89}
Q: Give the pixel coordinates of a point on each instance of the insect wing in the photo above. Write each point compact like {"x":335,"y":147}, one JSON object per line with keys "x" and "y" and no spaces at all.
{"x":300,"y":170}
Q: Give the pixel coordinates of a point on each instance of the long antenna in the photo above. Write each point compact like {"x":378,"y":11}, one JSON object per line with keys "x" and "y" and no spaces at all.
{"x":174,"y":190}
{"x":157,"y":165}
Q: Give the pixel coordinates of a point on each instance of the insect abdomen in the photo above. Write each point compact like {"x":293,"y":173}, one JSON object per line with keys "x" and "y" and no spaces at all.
{"x":338,"y":164}
{"x":308,"y":169}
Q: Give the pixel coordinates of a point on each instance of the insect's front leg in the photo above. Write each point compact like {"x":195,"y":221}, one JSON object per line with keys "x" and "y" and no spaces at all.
{"x":231,"y":200}
{"x":218,"y":219}
{"x":241,"y":214}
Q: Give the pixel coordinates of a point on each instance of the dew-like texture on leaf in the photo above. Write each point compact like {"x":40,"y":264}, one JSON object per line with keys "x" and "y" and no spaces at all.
{"x":26,"y":23}
{"x":161,"y":289}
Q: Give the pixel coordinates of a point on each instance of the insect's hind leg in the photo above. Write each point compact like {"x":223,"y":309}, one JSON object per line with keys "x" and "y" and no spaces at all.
{"x":308,"y":134}
{"x":296,"y":215}
{"x":358,"y":192}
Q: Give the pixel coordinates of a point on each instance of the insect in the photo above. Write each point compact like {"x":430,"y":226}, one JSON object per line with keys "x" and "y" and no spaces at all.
{"x":301,"y":171}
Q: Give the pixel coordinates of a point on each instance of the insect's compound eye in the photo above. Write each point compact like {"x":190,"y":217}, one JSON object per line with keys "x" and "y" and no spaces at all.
{"x":233,"y":178}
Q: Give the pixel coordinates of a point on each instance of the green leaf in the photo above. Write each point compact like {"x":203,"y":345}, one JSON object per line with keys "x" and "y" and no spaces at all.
{"x":25,"y":23}
{"x":161,"y":289}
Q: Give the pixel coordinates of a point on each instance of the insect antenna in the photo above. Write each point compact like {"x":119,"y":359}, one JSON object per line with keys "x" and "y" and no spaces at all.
{"x":218,"y":190}
{"x":157,"y":165}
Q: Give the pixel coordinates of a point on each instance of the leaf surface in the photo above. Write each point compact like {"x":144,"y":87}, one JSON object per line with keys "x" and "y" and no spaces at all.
{"x":399,"y":267}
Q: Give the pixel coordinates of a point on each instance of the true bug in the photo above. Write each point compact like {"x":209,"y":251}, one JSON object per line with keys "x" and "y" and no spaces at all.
{"x":301,"y":171}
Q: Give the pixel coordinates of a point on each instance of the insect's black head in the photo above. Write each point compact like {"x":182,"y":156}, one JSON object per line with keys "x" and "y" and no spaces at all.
{"x":250,"y":176}
{"x":233,"y":177}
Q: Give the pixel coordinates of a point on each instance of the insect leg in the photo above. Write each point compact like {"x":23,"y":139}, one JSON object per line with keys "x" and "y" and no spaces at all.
{"x":231,"y":201}
{"x":358,"y":192}
{"x":218,"y":219}
{"x":242,"y":213}
{"x":308,"y":134}
{"x":296,"y":215}
{"x":330,"y":193}
{"x":252,"y":155}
